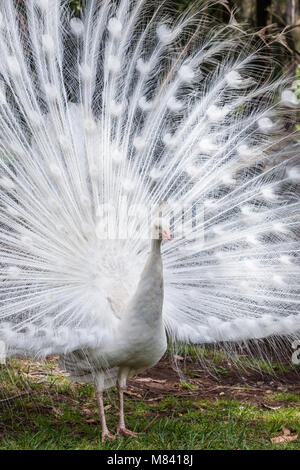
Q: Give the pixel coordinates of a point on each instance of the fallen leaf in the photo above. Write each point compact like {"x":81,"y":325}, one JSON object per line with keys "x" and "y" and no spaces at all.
{"x":271,"y":407}
{"x":128,"y":392}
{"x":280,"y":439}
{"x":56,"y":411}
{"x":178,"y":358}
{"x":286,"y":437}
{"x":155,"y":398}
{"x":149,"y":379}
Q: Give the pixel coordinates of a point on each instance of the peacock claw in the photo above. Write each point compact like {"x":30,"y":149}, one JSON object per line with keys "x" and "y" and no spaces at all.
{"x":126,"y":432}
{"x":106,"y":435}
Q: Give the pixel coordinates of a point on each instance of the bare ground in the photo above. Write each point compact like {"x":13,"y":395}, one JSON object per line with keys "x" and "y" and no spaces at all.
{"x":248,"y":386}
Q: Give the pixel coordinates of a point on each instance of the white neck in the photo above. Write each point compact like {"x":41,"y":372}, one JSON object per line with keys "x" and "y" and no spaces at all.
{"x":155,"y":247}
{"x":148,"y":298}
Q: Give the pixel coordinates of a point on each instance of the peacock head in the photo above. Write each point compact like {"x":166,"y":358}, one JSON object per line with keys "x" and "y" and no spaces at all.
{"x":160,"y":229}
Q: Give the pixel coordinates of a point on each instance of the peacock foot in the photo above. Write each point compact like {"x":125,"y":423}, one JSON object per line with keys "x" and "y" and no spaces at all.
{"x":106,"y":435}
{"x":125,"y":432}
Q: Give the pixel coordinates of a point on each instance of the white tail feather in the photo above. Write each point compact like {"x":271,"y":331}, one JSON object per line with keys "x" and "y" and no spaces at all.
{"x":98,"y":115}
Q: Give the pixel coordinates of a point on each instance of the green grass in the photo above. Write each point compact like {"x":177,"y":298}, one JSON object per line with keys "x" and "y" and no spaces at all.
{"x":215,"y":359}
{"x":59,"y":415}
{"x":287,"y":397}
{"x":180,"y":424}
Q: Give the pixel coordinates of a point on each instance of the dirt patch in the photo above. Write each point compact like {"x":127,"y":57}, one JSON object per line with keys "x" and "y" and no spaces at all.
{"x":196,"y":383}
{"x":189,"y":380}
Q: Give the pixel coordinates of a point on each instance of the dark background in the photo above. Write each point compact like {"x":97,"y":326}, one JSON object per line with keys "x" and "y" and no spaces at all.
{"x":276,"y":16}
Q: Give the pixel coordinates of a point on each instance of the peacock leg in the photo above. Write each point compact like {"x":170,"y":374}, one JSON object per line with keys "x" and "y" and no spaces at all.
{"x":105,"y":434}
{"x":121,"y":385}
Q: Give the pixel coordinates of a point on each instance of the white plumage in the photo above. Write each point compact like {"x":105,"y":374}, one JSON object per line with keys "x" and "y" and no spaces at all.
{"x":107,"y":121}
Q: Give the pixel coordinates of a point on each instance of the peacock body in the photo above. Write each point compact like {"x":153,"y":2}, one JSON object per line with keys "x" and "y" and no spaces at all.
{"x":113,"y":119}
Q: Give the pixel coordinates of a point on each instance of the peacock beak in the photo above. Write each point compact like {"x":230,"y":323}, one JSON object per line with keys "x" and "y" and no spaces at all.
{"x":166,"y":234}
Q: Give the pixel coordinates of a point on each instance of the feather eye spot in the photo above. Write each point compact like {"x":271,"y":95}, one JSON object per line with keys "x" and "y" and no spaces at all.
{"x":128,"y":185}
{"x":77,"y":26}
{"x":51,"y":92}
{"x":156,"y":175}
{"x":279,"y":227}
{"x":12,"y":211}
{"x":65,"y":143}
{"x":186,"y":73}
{"x":17,"y":149}
{"x":285,"y":259}
{"x":43,"y":5}
{"x":139,"y":143}
{"x":113,"y":64}
{"x":34,"y":119}
{"x":207,"y":146}
{"x":227,"y":178}
{"x":293,"y":174}
{"x":145,"y":105}
{"x":217,"y":113}
{"x":116,"y":109}
{"x":169,"y":140}
{"x":85,"y":72}
{"x":289,"y":99}
{"x":143,"y":67}
{"x":7,"y":183}
{"x":14,"y":272}
{"x":115,"y":27}
{"x":166,"y":35}
{"x":117,"y":156}
{"x":192,"y":171}
{"x":13,"y":66}
{"x":48,"y":44}
{"x":89,"y":125}
{"x":278,"y":280}
{"x":266,"y":125}
{"x":56,"y":172}
{"x":268,"y":193}
{"x":174,"y":104}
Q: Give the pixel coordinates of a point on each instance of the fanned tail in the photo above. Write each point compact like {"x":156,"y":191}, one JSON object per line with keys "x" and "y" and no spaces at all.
{"x":115,"y":112}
